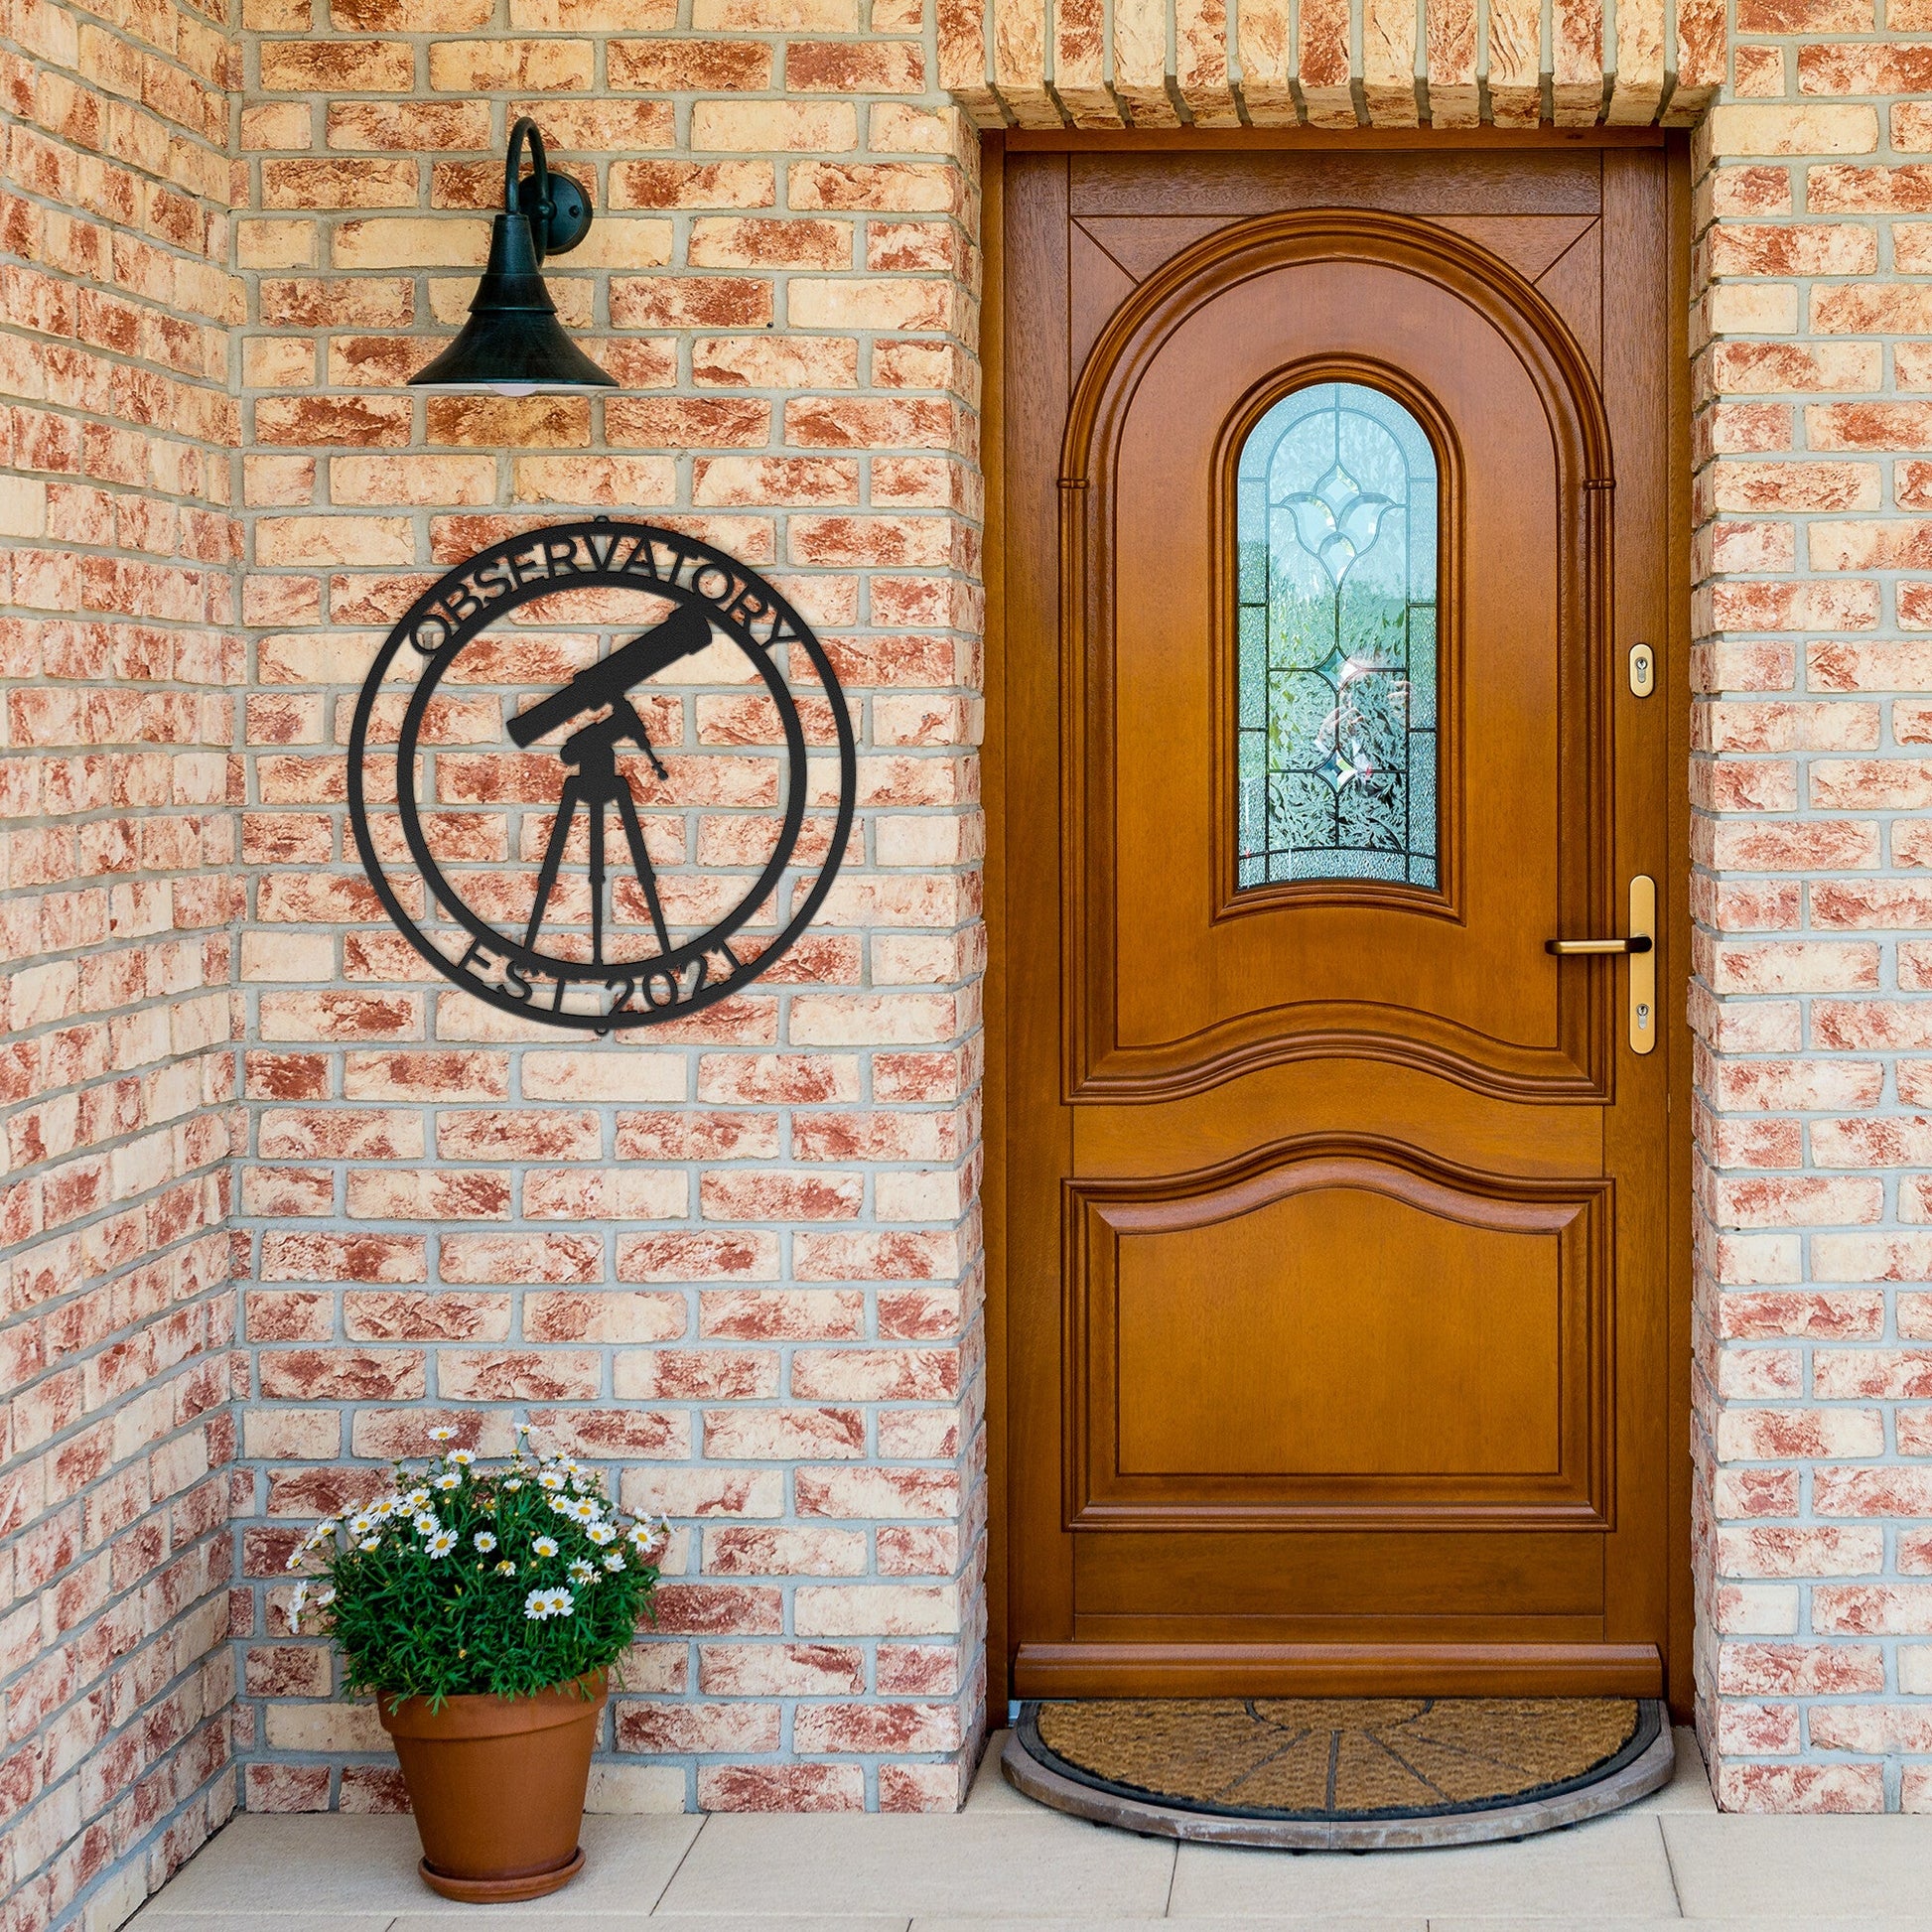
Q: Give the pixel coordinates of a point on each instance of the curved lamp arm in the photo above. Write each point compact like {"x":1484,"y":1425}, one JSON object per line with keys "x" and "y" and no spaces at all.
{"x":525,"y":128}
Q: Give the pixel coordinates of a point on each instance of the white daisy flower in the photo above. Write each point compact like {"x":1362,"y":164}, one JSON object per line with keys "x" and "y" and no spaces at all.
{"x":425,"y":1523}
{"x":614,"y":1561}
{"x":544,"y":1546}
{"x":515,"y":1482}
{"x":551,"y":1479}
{"x":386,"y":1507}
{"x":370,"y":1543}
{"x":584,"y":1510}
{"x":416,"y":1499}
{"x":544,"y":1603}
{"x":602,"y":1533}
{"x":486,"y":1541}
{"x":460,"y":1457}
{"x":449,"y":1479}
{"x":360,"y":1523}
{"x":582,"y":1572}
{"x":507,"y":1568}
{"x":324,"y":1596}
{"x":442,"y":1543}
{"x":442,"y":1434}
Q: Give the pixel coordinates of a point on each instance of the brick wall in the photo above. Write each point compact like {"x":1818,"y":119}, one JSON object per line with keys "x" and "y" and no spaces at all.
{"x":1810,"y":781}
{"x":121,"y":667}
{"x":736,"y":1260}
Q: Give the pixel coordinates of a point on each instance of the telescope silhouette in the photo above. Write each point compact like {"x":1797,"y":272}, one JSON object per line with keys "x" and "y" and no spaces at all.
{"x":609,"y":680}
{"x":591,"y":780}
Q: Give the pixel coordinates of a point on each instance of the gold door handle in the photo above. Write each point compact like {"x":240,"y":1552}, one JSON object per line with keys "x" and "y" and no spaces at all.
{"x":1641,"y":947}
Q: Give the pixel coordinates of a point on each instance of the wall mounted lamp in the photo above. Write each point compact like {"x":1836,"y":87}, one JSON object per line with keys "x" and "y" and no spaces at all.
{"x":513,"y":343}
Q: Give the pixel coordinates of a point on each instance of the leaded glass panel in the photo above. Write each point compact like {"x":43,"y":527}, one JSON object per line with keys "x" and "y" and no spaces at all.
{"x":1335,"y":515}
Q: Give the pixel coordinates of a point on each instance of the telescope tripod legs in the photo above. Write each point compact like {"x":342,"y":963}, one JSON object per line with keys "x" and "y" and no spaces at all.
{"x":597,"y":885}
{"x":646,"y":875}
{"x":596,"y":802}
{"x":552,"y":857}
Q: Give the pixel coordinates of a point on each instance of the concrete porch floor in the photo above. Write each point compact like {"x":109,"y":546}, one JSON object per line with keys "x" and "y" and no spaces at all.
{"x":1004,"y":1865}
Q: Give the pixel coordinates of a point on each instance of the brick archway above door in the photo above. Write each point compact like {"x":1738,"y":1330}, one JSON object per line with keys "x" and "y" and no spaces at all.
{"x":1148,"y":63}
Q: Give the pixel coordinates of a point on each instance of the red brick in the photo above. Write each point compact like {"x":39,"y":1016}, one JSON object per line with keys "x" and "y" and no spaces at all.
{"x":337,"y":1374}
{"x":697,"y":1727}
{"x":687,"y":65}
{"x":782,"y":1787}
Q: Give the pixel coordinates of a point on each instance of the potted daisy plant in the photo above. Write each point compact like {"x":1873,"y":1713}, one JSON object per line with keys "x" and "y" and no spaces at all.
{"x":484,"y":1608}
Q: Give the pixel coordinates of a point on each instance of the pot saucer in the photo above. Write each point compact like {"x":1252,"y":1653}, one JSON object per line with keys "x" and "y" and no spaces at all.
{"x":502,"y":1892}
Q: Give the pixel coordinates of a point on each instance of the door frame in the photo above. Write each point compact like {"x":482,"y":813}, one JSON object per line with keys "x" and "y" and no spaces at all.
{"x":1675,"y":911}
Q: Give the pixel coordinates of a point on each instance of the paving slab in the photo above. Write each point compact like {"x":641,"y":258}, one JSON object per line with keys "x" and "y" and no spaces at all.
{"x":1875,"y":1869}
{"x":1614,"y":1868}
{"x":531,"y":1918}
{"x":1586,"y":1923}
{"x":788,"y":1923}
{"x":814,"y":1922}
{"x":1327,"y":1925}
{"x":1689,"y":1788}
{"x":990,"y":1790}
{"x":1589,"y":1924}
{"x":298,"y":1867}
{"x":985,"y":1867}
{"x":169,"y":1921}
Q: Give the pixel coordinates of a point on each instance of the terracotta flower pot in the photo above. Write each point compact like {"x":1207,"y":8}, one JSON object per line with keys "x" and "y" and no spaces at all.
{"x":497,"y":1787}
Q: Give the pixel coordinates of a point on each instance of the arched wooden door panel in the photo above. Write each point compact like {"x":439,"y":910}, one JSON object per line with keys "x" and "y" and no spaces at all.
{"x":1338,"y":1249}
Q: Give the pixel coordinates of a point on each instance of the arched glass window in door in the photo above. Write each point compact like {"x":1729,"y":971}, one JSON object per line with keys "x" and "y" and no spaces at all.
{"x":1336,"y":523}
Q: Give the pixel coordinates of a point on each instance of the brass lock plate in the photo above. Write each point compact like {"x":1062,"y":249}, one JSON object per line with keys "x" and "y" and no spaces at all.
{"x":1643,"y":670}
{"x":1643,"y":965}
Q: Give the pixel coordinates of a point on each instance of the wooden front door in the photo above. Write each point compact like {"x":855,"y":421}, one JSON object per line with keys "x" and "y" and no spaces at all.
{"x":1338,"y":1238}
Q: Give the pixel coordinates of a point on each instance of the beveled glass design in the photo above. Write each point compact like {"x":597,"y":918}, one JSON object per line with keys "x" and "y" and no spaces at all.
{"x":1335,"y":518}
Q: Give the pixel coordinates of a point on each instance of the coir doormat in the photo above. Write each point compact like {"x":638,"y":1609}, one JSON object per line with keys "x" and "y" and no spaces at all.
{"x":1341,"y":1773}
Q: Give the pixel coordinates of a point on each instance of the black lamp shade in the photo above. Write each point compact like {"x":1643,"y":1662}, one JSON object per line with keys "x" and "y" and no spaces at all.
{"x":513,"y":343}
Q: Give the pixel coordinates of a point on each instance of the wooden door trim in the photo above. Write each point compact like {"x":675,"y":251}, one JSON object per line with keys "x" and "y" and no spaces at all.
{"x":993,"y":779}
{"x":1270,"y":140}
{"x":1674,"y":688}
{"x":1098,"y":1670}
{"x":1678,"y":1044}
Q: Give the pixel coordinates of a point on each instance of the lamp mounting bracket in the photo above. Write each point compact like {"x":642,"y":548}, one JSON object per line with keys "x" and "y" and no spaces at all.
{"x":569,"y":219}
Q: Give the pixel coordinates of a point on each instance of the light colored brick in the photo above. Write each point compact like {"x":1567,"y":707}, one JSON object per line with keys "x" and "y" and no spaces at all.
{"x":1812,"y":128}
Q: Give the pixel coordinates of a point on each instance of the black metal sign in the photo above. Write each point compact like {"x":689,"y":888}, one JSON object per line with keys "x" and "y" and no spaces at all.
{"x":618,"y":618}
